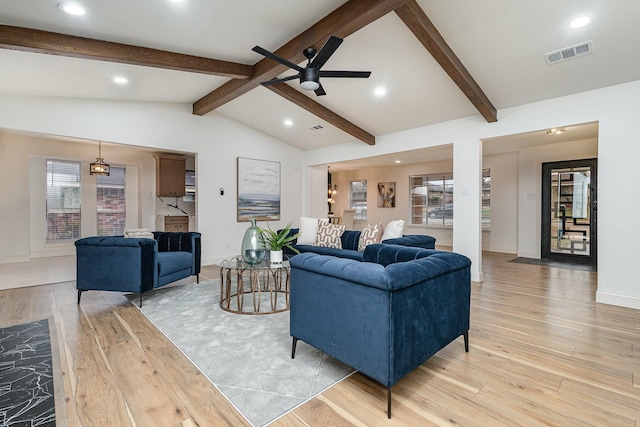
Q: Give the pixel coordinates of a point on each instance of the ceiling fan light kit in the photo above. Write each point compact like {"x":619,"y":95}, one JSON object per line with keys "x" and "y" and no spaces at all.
{"x":310,"y":75}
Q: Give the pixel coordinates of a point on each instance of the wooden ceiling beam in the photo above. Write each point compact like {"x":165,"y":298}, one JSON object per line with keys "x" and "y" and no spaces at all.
{"x":342,"y":22}
{"x":322,"y":112}
{"x":30,"y":40}
{"x":414,"y":17}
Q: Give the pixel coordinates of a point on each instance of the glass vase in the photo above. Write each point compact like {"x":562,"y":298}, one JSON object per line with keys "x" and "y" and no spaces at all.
{"x":253,"y":248}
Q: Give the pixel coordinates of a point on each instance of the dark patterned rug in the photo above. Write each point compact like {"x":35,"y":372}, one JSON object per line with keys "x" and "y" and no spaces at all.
{"x":26,"y":376}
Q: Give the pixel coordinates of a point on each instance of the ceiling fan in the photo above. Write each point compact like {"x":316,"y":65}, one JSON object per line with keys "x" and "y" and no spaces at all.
{"x":310,"y":75}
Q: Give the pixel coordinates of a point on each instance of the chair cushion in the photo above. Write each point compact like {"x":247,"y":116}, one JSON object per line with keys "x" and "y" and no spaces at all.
{"x":170,"y":262}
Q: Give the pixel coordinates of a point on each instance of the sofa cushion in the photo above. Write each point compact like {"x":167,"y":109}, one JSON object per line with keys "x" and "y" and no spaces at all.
{"x":309,"y":230}
{"x":170,"y":262}
{"x":329,"y":235}
{"x":386,"y":254}
{"x":415,"y":240}
{"x":340,"y":253}
{"x":393,"y":230}
{"x":350,"y":239}
{"x":370,"y":234}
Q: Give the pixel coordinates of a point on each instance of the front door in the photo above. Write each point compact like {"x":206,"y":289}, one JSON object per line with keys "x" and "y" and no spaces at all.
{"x":569,"y":211}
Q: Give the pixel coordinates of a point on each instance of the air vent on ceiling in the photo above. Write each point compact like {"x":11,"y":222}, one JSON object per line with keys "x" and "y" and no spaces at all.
{"x":569,"y":52}
{"x":316,"y":127}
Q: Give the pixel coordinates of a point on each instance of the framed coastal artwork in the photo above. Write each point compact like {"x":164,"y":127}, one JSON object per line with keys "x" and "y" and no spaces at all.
{"x":386,"y":194}
{"x":258,"y":190}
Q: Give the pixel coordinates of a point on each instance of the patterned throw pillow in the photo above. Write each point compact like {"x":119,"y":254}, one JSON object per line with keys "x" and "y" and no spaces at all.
{"x":370,"y":235}
{"x":329,"y":235}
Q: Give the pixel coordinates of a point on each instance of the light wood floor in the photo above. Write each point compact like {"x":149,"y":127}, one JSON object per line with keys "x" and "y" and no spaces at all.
{"x":542,"y":353}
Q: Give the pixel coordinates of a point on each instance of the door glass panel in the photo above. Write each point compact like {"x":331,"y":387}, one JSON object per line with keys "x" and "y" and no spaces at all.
{"x":570,"y":211}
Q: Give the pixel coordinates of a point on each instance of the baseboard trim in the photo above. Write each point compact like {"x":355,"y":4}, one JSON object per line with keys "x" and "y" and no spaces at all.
{"x":618,"y":300}
{"x":14,"y":259}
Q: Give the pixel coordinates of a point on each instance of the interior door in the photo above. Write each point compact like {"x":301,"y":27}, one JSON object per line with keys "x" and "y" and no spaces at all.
{"x":569,"y":211}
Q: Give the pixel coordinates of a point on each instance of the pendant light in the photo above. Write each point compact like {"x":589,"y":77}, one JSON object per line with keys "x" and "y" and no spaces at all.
{"x":99,"y":167}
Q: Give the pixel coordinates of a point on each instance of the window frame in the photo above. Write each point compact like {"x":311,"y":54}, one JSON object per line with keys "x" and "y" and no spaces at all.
{"x":433,"y":208}
{"x":109,"y":183}
{"x":66,"y":202}
{"x":486,"y":199}
{"x":358,"y":203}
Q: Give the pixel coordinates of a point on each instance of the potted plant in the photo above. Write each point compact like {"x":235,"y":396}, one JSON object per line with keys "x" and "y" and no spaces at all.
{"x":277,"y":240}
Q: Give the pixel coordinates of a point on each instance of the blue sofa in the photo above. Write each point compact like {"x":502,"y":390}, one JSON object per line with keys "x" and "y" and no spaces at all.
{"x":349,"y":240}
{"x":383,"y":316}
{"x":115,"y":263}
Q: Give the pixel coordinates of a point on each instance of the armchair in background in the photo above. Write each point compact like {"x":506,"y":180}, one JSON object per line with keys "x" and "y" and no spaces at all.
{"x":114,"y":263}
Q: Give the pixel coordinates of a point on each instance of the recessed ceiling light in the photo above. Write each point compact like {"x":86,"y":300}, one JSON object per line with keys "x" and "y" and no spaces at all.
{"x":121,"y":80}
{"x":288,"y":122}
{"x":555,"y":131}
{"x":581,"y":21}
{"x":380,"y":91}
{"x":176,"y":1}
{"x":398,"y":161}
{"x":72,"y":8}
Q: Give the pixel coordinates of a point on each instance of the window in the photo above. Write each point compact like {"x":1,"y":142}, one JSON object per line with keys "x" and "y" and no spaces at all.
{"x":358,"y":199}
{"x":431,"y":200}
{"x":63,"y":200}
{"x":111,"y":202}
{"x":486,"y":199}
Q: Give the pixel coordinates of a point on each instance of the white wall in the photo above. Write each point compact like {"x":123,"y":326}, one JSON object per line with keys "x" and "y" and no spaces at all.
{"x":616,"y":108}
{"x":23,"y":177}
{"x":399,"y":175}
{"x":503,"y":236}
{"x":216,"y":140}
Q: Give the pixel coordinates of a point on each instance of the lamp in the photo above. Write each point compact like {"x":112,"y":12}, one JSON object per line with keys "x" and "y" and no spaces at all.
{"x":99,"y":167}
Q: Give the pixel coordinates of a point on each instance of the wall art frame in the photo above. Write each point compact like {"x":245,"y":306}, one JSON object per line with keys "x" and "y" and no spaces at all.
{"x":258,"y":190}
{"x":386,"y":195}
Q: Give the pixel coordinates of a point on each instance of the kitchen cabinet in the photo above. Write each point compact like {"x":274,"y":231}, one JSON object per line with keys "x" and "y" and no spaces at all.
{"x":170,"y":175}
{"x":176,"y":223}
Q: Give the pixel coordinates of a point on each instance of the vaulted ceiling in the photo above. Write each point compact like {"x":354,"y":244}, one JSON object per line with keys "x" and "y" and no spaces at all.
{"x":437,"y":60}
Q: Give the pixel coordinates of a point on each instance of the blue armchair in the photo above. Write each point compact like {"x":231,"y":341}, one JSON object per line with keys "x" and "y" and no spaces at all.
{"x":384,"y":316}
{"x":114,"y":263}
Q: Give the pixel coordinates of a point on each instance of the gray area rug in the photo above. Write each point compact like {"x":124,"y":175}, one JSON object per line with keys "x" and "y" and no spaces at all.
{"x":247,"y":357}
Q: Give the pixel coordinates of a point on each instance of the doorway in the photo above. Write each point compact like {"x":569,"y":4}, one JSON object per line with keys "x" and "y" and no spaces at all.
{"x":569,"y":211}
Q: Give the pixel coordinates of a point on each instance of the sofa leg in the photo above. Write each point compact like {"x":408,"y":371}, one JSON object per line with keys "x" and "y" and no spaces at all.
{"x":79,"y":295}
{"x":466,"y":341}
{"x":197,"y":277}
{"x":293,"y":347}
{"x":389,"y":402}
{"x":140,"y":305}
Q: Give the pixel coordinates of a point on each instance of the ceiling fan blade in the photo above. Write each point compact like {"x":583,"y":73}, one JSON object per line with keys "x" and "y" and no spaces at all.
{"x":355,"y":74}
{"x":276,"y":58}
{"x":320,"y":91}
{"x":275,"y":81}
{"x":325,"y":53}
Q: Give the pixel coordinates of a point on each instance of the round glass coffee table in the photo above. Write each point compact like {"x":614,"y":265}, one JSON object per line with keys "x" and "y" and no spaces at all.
{"x":259,"y":283}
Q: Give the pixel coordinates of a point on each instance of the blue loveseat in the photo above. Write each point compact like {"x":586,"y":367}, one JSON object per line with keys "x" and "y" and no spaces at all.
{"x":115,"y":263}
{"x":349,"y":241}
{"x":383,"y":316}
